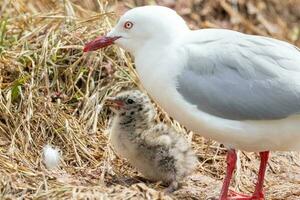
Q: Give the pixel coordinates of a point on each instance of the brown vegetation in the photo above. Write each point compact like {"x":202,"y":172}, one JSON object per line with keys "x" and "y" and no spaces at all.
{"x":52,"y":93}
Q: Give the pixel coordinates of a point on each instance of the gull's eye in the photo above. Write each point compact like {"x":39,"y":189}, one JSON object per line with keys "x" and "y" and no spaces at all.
{"x":129,"y":101}
{"x":128,"y":25}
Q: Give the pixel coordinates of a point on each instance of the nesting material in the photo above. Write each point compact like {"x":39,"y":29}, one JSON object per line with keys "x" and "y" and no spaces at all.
{"x":51,"y":157}
{"x":41,"y":46}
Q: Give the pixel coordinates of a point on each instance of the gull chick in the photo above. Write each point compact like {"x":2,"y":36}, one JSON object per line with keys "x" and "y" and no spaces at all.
{"x":157,"y":151}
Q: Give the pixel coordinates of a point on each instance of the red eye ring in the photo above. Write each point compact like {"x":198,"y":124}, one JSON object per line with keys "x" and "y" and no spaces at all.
{"x":128,"y":25}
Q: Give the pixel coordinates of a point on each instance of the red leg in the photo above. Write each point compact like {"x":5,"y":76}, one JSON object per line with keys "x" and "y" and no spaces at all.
{"x":231,"y":162}
{"x":258,"y":193}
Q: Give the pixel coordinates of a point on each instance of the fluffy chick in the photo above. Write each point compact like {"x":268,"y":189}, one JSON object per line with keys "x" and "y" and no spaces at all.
{"x":156,"y":150}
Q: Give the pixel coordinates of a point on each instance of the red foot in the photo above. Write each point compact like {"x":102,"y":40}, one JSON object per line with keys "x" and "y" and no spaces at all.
{"x":226,"y":194}
{"x":232,"y":195}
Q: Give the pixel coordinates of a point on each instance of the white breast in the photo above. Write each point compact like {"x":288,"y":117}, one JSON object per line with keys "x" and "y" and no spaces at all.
{"x":120,"y":142}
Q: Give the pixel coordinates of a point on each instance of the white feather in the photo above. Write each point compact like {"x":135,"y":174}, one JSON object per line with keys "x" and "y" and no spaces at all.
{"x":51,"y":157}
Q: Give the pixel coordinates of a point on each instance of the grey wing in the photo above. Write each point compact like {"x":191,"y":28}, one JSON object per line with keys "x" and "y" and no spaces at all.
{"x":251,"y":78}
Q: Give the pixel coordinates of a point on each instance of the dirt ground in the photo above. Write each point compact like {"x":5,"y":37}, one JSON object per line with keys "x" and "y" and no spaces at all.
{"x":52,"y":93}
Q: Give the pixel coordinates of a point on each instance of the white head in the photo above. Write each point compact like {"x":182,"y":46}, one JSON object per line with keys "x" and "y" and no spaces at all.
{"x":140,"y":25}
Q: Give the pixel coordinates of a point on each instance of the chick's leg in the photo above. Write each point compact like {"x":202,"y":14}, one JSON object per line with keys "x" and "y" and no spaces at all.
{"x":172,"y":187}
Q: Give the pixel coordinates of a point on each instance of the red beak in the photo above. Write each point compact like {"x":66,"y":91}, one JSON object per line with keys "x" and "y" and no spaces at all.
{"x":114,"y":103}
{"x":99,"y":42}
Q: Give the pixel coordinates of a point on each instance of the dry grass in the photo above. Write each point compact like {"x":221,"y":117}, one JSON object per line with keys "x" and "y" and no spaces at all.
{"x":52,"y":93}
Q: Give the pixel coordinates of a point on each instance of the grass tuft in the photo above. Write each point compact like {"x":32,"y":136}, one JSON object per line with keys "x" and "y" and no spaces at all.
{"x":52,"y":93}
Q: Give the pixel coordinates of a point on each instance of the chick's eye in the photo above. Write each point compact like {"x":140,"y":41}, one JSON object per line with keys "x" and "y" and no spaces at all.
{"x":130,"y":101}
{"x":128,"y":25}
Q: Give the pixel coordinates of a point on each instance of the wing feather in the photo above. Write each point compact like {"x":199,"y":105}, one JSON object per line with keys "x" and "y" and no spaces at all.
{"x":245,"y":78}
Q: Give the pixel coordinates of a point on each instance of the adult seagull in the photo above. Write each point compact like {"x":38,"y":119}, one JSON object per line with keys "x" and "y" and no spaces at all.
{"x":240,"y":90}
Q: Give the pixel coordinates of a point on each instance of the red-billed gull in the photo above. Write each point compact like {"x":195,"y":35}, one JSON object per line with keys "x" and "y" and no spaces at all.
{"x":240,"y":90}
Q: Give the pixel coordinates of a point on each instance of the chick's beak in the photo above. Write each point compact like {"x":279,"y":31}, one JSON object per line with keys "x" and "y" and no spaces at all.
{"x":100,"y":42}
{"x":114,"y":103}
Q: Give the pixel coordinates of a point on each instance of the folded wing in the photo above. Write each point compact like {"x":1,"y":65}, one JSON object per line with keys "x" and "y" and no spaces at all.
{"x":241,"y":77}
